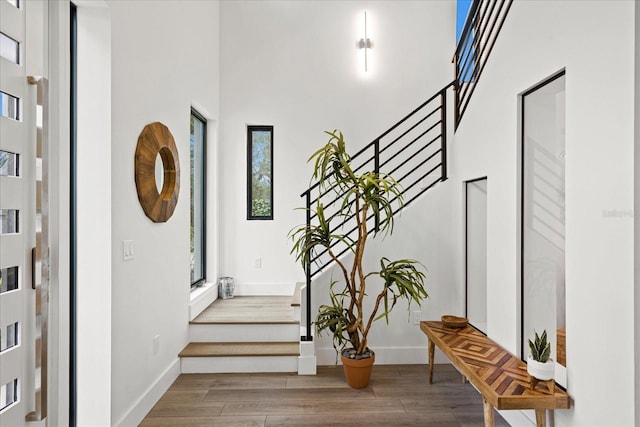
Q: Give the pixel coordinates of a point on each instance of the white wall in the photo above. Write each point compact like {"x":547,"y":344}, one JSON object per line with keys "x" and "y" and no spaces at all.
{"x":164,"y":60}
{"x":295,"y":65}
{"x":594,"y":42}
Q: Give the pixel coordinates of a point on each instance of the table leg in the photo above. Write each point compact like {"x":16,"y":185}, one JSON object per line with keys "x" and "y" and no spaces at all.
{"x":488,"y":412}
{"x":432,"y":348}
{"x":541,"y":418}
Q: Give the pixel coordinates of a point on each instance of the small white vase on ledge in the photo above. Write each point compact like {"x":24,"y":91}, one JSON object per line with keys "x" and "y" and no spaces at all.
{"x":542,"y":371}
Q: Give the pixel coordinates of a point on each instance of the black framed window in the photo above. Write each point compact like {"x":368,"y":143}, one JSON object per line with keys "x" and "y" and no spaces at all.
{"x":198,"y":151}
{"x":260,"y":172}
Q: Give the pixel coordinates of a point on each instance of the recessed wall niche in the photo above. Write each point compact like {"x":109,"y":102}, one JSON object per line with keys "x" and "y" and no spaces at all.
{"x":543,"y":217}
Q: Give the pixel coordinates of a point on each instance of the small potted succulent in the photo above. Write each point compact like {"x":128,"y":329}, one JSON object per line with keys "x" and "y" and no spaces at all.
{"x":540,"y":365}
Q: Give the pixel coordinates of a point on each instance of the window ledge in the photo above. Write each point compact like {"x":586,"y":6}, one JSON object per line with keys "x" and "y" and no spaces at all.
{"x":201,"y":298}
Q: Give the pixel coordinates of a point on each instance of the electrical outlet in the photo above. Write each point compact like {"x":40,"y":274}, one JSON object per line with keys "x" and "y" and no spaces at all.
{"x":258,"y":262}
{"x":156,"y":344}
{"x":417,"y":316}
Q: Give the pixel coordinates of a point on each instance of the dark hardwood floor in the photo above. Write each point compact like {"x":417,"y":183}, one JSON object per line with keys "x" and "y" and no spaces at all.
{"x":399,"y":395}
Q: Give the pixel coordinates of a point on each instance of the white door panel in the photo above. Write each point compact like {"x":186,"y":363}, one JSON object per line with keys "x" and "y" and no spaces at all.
{"x":17,"y":193}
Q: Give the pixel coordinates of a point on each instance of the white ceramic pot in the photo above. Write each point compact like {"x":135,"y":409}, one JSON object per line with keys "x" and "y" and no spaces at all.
{"x":539,"y":370}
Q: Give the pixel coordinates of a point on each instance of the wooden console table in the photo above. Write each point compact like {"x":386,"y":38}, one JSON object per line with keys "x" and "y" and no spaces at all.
{"x":500,"y":377}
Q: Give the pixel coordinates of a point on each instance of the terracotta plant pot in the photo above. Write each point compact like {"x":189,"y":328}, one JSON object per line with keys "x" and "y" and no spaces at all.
{"x":358,"y":372}
{"x":539,"y":370}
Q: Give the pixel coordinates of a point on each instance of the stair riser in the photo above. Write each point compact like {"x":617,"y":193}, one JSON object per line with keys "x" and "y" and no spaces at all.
{"x":223,"y":365}
{"x":244,"y":333}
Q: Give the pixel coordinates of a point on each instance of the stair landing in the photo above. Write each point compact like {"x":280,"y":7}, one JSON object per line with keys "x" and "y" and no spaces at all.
{"x":248,"y":309}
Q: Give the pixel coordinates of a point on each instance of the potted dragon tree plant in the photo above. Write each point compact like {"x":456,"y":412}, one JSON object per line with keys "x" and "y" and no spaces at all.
{"x":353,"y":308}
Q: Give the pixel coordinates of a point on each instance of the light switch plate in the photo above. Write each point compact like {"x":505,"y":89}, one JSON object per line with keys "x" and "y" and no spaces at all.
{"x":127,"y":250}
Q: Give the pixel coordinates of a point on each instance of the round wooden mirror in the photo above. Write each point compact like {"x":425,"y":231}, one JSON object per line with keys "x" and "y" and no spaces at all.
{"x":158,"y":199}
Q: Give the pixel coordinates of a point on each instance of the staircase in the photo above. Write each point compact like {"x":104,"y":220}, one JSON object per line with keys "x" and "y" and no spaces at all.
{"x":414,"y":150}
{"x":245,"y":334}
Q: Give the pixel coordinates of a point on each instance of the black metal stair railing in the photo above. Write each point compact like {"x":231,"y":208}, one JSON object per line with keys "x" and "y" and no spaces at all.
{"x":479,"y":34}
{"x":413,"y":151}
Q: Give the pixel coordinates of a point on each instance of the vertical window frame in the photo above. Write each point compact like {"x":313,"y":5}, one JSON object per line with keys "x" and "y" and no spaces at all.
{"x":250,"y":195}
{"x":198,"y":281}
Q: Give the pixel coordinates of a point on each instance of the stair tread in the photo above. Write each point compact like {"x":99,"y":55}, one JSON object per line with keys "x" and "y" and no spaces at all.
{"x":248,"y":309}
{"x":211,"y":349}
{"x":244,"y":322}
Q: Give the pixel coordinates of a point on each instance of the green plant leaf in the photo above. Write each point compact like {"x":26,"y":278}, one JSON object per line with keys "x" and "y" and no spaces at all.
{"x":357,"y":199}
{"x":540,"y":348}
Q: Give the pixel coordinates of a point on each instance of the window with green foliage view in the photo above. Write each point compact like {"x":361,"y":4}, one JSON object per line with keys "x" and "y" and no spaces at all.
{"x":260,"y":172}
{"x":197,"y":143}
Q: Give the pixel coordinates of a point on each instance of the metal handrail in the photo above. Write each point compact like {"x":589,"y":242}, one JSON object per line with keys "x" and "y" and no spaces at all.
{"x":388,"y":131}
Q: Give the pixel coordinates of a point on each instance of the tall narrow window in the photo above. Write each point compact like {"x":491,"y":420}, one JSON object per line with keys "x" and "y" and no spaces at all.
{"x":198,"y":198}
{"x":260,"y":172}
